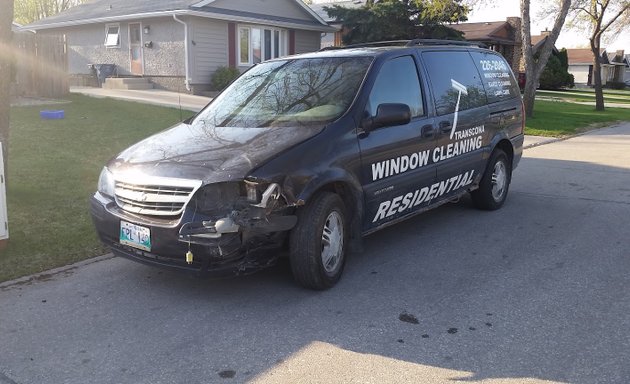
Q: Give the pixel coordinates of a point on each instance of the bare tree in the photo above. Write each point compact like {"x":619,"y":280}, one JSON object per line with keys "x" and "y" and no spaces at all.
{"x":534,"y":67}
{"x":6,"y":62}
{"x":535,"y":64}
{"x":600,"y":16}
{"x":27,"y":11}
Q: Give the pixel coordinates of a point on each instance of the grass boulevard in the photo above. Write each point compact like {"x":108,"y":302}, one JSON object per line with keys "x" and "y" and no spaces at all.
{"x":54,"y":167}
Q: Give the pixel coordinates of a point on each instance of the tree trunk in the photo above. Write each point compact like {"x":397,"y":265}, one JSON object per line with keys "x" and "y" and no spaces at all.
{"x":597,"y":73}
{"x":6,"y":36}
{"x":533,"y":68}
{"x":529,"y":94}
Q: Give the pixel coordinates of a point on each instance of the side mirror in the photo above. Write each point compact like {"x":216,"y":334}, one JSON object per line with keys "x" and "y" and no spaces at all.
{"x":387,"y":115}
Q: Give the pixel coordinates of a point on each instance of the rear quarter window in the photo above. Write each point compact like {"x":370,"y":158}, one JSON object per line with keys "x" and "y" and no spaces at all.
{"x":497,"y":76}
{"x":454,"y":76}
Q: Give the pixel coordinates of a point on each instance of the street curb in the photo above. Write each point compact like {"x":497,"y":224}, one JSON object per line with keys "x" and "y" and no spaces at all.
{"x":45,"y":275}
{"x":551,"y":140}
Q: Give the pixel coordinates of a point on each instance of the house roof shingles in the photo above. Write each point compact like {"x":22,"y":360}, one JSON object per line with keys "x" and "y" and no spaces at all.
{"x":106,"y":10}
{"x":319,"y":7}
{"x":480,"y":31}
{"x":581,"y":56}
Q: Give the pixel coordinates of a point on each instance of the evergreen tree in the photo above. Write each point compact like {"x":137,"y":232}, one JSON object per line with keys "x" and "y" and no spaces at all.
{"x":399,"y":20}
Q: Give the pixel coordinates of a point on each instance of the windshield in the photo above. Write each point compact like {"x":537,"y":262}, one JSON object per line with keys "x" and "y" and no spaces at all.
{"x":289,"y":93}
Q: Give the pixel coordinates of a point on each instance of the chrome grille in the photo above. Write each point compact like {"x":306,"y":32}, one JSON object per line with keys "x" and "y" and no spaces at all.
{"x":155,"y":196}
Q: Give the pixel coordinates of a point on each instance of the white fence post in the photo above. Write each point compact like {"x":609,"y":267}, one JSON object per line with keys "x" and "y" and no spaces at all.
{"x":4,"y":221}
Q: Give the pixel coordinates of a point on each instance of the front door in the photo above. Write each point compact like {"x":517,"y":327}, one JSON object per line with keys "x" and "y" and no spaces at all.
{"x":396,"y":159}
{"x":135,"y":49}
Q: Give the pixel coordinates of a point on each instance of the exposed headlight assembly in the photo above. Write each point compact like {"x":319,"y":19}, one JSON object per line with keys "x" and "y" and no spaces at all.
{"x":106,"y":183}
{"x":261,"y":193}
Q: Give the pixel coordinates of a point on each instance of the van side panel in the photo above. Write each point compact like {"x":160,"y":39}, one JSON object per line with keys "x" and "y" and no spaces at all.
{"x":463,"y":137}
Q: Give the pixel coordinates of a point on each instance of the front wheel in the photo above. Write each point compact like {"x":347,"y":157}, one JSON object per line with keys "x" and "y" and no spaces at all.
{"x":495,"y":183}
{"x":318,"y":242}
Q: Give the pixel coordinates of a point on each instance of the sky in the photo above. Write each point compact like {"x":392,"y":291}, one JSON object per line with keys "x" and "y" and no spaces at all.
{"x":568,"y":38}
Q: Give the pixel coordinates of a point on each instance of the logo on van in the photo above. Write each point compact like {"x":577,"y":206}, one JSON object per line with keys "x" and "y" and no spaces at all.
{"x":462,"y":89}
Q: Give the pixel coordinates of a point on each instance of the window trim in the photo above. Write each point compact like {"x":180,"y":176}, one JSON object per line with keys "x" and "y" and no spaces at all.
{"x":107,"y":34}
{"x":283,"y":40}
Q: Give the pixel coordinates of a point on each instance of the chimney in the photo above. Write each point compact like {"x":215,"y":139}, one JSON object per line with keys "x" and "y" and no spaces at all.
{"x":546,"y":32}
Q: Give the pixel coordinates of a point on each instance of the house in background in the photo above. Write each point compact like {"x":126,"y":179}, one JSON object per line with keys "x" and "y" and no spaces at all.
{"x":179,"y":44}
{"x":334,"y":38}
{"x":581,"y":66}
{"x":626,"y":76}
{"x":617,"y":69}
{"x":539,"y":40}
{"x":500,"y":36}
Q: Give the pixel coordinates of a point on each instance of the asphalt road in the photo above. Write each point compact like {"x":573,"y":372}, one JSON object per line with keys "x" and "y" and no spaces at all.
{"x":536,"y":292}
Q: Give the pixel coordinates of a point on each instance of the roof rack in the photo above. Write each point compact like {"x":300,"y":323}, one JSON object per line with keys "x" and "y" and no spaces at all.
{"x":408,"y":43}
{"x":413,"y":42}
{"x":401,"y":43}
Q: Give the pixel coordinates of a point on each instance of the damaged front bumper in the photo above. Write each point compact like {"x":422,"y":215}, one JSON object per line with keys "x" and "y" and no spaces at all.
{"x":255,"y":218}
{"x":239,"y":242}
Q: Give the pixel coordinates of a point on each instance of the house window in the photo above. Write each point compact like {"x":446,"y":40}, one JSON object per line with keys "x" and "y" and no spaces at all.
{"x":258,"y":44}
{"x":112,"y":35}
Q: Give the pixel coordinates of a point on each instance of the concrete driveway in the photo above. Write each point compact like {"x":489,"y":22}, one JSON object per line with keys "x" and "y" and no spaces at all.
{"x":534,"y":293}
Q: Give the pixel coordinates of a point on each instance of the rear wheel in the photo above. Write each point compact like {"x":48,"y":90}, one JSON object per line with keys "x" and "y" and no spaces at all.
{"x":495,"y":183}
{"x":318,"y":242}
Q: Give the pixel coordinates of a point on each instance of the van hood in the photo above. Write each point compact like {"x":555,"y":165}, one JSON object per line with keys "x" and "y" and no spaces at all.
{"x":209,"y":153}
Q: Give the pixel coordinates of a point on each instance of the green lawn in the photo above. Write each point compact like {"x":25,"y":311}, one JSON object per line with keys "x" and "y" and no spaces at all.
{"x":54,"y":166}
{"x":557,"y":119}
{"x":53,"y":169}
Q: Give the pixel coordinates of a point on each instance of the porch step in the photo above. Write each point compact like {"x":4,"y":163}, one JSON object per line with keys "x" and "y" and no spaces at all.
{"x":127,"y":83}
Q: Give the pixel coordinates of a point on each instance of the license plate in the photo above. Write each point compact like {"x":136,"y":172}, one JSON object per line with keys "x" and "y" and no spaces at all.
{"x":135,"y":236}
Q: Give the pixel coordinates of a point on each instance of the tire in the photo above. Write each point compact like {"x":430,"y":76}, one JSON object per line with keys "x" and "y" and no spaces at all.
{"x":494,"y":185}
{"x":317,"y":244}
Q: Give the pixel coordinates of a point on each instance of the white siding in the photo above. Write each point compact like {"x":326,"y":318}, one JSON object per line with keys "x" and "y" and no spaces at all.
{"x":209,"y":50}
{"x":4,"y":226}
{"x":307,"y":41}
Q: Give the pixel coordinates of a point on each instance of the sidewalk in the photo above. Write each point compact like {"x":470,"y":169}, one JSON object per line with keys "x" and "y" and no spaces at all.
{"x":150,"y":96}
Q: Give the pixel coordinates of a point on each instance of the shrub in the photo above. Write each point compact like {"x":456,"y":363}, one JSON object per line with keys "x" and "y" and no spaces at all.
{"x":222,"y":77}
{"x":555,"y":75}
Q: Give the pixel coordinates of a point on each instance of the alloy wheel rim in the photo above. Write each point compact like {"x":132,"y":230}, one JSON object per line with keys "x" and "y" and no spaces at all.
{"x":499,"y":180}
{"x":332,"y":242}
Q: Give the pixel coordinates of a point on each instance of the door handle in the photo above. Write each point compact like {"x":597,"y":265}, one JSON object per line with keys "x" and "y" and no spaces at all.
{"x":427,"y":131}
{"x":445,"y":126}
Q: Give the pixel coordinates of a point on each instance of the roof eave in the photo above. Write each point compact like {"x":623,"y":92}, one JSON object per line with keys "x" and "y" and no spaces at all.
{"x":95,"y":20}
{"x":244,"y":19}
